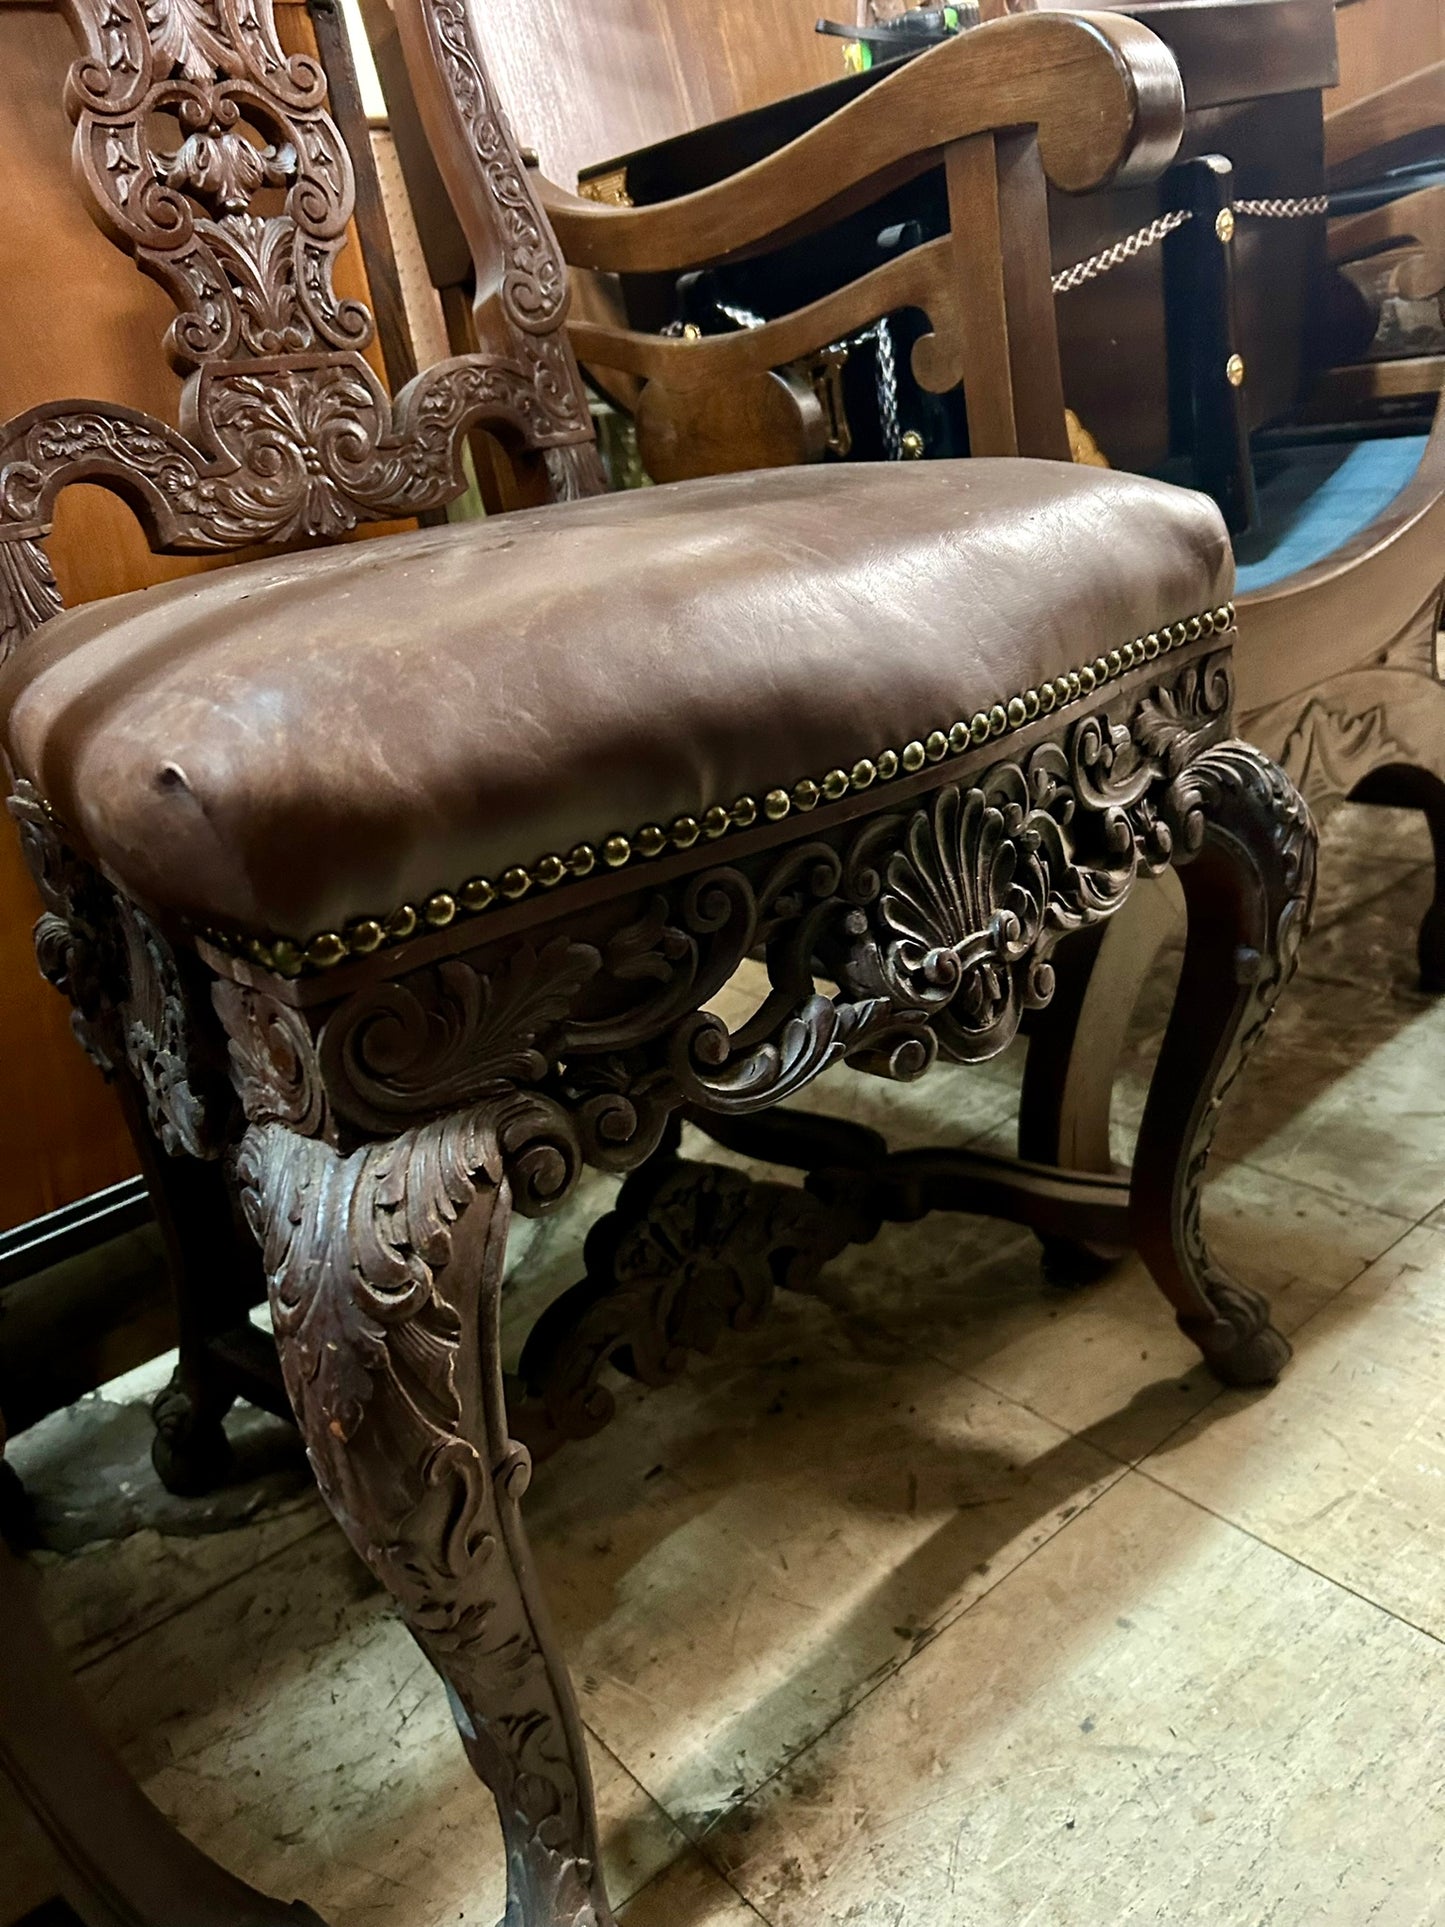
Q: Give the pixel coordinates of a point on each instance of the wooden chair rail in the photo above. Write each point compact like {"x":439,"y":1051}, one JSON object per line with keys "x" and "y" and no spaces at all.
{"x":1405,"y":107}
{"x":1415,"y":223}
{"x":918,"y":279}
{"x":1102,"y":91}
{"x":1078,"y":100}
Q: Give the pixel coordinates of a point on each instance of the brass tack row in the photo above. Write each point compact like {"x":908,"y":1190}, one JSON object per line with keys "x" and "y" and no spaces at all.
{"x":368,"y":934}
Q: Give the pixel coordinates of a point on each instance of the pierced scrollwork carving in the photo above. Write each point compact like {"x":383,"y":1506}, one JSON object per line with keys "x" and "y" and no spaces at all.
{"x":689,"y":1251}
{"x":129,"y":1003}
{"x":385,"y":1275}
{"x":285,"y":431}
{"x":932,"y":925}
{"x":216,"y":69}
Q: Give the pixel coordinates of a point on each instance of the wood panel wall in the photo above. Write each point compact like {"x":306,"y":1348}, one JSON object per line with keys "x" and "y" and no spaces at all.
{"x":76,"y":319}
{"x":583,"y":82}
{"x":1384,"y":40}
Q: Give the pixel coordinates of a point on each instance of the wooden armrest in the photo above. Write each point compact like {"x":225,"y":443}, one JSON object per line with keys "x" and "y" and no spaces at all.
{"x":1404,"y":107}
{"x":1415,"y":222}
{"x":1102,"y":91}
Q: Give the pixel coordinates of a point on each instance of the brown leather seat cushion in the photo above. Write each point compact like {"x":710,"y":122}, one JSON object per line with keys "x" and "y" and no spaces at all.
{"x":288,"y":744}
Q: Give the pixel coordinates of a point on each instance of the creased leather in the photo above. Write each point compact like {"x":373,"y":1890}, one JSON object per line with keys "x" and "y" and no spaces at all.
{"x":286,"y":744}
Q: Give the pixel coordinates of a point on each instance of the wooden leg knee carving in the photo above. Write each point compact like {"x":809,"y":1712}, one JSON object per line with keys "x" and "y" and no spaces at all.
{"x":1249,"y":889}
{"x":385,"y":1271}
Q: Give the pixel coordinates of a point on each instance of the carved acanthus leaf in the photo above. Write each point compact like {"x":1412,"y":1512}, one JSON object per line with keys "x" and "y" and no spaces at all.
{"x":1331,"y":749}
{"x":384,"y":1272}
{"x":273,"y":1060}
{"x":451,"y":1033}
{"x":338,"y":1315}
{"x":28,"y":591}
{"x":1177,"y":719}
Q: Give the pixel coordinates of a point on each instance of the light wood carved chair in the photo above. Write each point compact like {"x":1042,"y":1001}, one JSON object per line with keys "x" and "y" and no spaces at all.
{"x":394,"y":881}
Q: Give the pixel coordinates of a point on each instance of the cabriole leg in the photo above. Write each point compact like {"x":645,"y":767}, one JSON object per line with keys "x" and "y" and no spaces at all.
{"x":1249,"y":889}
{"x":385,"y":1269}
{"x":1407,"y":787}
{"x":214,"y":1275}
{"x":1076,"y":1048}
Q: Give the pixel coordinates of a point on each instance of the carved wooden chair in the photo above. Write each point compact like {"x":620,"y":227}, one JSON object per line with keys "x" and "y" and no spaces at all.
{"x":394,"y":881}
{"x":1339,"y":598}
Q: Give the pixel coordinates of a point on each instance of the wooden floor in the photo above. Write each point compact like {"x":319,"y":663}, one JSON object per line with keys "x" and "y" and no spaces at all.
{"x":947,"y":1600}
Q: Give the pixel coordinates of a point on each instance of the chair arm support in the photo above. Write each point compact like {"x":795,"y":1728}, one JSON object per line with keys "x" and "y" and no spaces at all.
{"x":1103,"y":92}
{"x":1416,"y":223}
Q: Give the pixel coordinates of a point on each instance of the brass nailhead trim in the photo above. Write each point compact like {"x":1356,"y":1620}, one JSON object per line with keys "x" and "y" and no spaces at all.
{"x":359,"y":939}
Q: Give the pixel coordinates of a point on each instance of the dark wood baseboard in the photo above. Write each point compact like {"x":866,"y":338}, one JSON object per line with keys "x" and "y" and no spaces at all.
{"x":50,"y":1240}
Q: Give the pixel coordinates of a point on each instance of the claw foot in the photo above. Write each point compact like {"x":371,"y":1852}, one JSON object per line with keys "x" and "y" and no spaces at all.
{"x":190,"y":1451}
{"x":1240,"y":1346}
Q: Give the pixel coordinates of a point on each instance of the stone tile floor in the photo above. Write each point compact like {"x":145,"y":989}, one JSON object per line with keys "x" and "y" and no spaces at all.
{"x":944,"y":1598}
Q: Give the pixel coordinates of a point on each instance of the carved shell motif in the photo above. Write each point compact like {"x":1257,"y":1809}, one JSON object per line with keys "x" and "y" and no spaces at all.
{"x":965,"y":902}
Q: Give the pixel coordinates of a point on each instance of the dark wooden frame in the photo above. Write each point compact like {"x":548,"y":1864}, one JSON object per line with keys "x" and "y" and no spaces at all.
{"x":942,"y":894}
{"x":52,"y":1354}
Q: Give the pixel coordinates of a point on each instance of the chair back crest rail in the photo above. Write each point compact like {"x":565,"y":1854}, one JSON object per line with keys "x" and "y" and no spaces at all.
{"x":209,"y":156}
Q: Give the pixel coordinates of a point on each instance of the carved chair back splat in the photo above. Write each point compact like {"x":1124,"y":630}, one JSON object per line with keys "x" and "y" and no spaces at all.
{"x":379,"y":1105}
{"x":286,"y":433}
